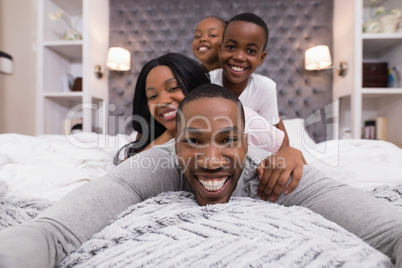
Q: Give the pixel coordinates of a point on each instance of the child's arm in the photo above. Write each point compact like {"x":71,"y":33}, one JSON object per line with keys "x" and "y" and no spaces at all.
{"x":261,"y":133}
{"x":275,"y":170}
{"x":286,"y":161}
{"x":281,"y":126}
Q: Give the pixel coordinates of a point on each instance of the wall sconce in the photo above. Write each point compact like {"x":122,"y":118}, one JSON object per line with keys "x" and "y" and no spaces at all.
{"x":118,"y":59}
{"x":98,"y":69}
{"x":318,"y":58}
{"x":6,"y":63}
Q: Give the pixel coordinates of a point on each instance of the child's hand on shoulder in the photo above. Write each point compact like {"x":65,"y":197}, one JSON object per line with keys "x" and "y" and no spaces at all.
{"x":274,"y":173}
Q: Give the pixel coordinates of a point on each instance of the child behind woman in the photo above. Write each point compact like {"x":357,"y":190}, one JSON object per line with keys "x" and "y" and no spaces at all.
{"x":207,"y":38}
{"x":242,"y":50}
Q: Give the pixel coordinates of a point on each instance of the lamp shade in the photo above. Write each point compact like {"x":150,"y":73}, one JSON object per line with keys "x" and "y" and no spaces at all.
{"x":317,"y":58}
{"x":118,"y":59}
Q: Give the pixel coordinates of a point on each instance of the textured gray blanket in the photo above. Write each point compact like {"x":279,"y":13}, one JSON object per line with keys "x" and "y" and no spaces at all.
{"x":16,"y":210}
{"x":171,"y":230}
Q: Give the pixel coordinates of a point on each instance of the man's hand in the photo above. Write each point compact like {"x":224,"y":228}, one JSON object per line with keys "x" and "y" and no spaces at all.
{"x":274,"y":173}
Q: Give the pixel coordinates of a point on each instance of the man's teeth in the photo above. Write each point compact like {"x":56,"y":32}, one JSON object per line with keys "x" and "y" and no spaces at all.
{"x":169,"y":113}
{"x":213,"y":185}
{"x":202,"y":48}
{"x":237,"y":69}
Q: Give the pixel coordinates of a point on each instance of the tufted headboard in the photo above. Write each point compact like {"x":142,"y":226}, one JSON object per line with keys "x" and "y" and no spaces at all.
{"x":151,"y":28}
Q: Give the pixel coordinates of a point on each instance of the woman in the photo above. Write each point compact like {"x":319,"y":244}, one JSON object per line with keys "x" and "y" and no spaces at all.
{"x":162,"y":84}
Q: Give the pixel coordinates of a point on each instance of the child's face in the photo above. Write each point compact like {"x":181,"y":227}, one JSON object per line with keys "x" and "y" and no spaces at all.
{"x":164,"y":96}
{"x":242,"y":50}
{"x":207,"y":38}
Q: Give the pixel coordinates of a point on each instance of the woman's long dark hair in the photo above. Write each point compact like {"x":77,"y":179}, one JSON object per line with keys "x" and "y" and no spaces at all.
{"x":188,"y":73}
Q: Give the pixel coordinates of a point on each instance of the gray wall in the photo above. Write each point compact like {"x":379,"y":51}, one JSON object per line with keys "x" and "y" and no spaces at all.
{"x":151,"y":28}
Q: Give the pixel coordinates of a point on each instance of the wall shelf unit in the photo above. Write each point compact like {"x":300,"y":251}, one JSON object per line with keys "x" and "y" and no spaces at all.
{"x":60,"y":62}
{"x":357,"y":103}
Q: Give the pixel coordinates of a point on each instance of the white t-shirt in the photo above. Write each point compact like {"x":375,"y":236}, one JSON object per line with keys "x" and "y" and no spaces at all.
{"x":261,"y":133}
{"x":259,"y":95}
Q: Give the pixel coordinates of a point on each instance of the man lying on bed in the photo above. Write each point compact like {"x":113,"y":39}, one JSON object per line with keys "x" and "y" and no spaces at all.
{"x":212,"y":152}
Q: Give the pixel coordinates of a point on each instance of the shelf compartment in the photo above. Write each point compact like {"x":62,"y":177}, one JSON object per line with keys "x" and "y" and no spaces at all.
{"x":377,"y":42}
{"x":55,"y":29}
{"x":56,"y":112}
{"x":57,"y":67}
{"x":387,"y":106}
{"x":73,"y":7}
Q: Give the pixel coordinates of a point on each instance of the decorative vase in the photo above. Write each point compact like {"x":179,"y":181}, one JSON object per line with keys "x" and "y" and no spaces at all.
{"x":389,"y":23}
{"x":72,"y":34}
{"x":371,"y":26}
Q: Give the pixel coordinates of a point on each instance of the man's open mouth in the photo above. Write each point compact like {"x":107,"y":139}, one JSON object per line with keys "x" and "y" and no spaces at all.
{"x":212,"y":184}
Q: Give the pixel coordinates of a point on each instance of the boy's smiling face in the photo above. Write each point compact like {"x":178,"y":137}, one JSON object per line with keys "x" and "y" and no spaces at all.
{"x":242,"y":51}
{"x":211,"y":148}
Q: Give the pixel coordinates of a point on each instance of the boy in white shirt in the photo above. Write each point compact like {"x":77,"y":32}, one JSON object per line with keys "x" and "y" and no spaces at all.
{"x":241,"y":52}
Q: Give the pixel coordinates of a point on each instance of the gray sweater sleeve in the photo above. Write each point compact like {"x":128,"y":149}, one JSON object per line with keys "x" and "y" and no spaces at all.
{"x":75,"y":218}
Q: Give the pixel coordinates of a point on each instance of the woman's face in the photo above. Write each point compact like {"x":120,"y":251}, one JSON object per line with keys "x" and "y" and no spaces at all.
{"x":164,"y":96}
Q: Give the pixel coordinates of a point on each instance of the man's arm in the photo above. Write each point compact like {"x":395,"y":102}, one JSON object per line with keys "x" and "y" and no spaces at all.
{"x":377,"y":223}
{"x":75,"y":218}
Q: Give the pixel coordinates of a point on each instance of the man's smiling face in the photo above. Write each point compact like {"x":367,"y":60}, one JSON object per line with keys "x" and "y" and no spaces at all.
{"x":211,"y":148}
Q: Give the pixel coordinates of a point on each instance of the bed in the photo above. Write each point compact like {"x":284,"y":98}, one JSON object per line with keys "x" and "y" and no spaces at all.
{"x":171,"y":230}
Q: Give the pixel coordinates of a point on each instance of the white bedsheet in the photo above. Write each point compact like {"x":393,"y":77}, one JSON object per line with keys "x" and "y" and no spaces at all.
{"x":357,"y":162}
{"x":50,"y":166}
